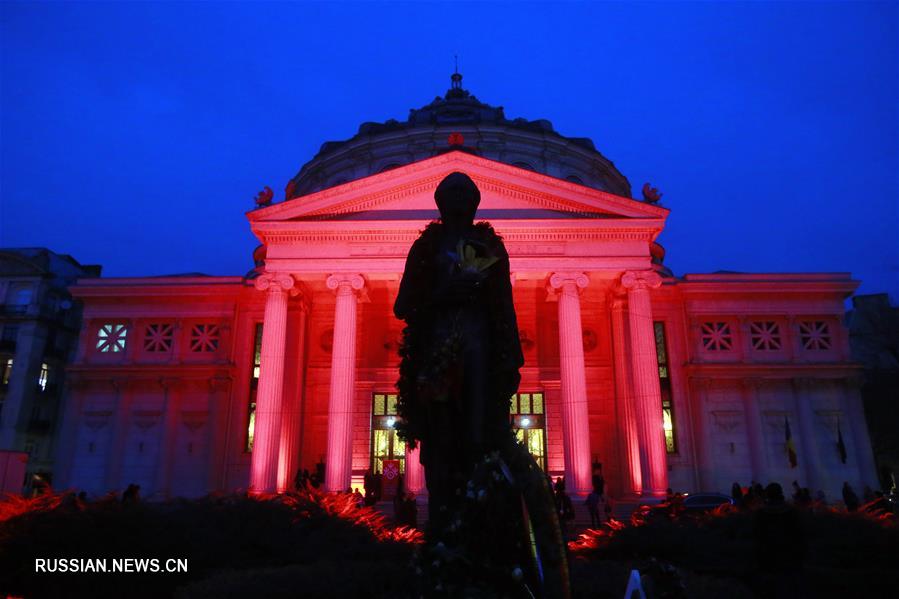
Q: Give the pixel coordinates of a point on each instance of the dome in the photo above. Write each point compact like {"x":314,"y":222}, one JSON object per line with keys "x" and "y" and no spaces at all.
{"x":485,"y":131}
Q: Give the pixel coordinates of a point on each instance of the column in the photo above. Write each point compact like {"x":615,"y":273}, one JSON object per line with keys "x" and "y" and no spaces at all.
{"x":575,"y":418}
{"x":851,"y":405}
{"x":627,"y":417}
{"x":289,"y":449}
{"x":808,"y":458}
{"x":339,"y":459}
{"x":414,"y":477}
{"x":753,"y":417}
{"x":267,"y":433}
{"x":645,"y":368}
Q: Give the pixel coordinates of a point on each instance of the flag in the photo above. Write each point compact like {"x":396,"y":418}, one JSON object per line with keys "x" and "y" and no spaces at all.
{"x":841,"y":447}
{"x":791,"y":447}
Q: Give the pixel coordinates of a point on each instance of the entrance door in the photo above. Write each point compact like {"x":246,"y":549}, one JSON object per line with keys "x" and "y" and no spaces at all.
{"x":528,"y":422}
{"x":385,"y":441}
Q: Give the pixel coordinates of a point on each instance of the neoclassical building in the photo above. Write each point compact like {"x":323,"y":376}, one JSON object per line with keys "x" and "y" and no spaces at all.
{"x":192,"y":384}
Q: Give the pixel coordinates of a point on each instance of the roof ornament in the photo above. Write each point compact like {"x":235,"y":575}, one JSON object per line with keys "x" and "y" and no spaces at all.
{"x":264,"y":197}
{"x":651,"y":194}
{"x":456,"y":77}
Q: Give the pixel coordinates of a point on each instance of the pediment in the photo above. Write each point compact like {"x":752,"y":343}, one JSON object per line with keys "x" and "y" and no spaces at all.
{"x":406,"y":193}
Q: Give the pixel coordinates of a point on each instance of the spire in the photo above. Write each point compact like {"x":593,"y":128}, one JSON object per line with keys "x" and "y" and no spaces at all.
{"x":456,"y":77}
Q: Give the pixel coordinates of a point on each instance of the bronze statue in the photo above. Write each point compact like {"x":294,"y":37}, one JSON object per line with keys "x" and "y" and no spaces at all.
{"x":490,"y":513}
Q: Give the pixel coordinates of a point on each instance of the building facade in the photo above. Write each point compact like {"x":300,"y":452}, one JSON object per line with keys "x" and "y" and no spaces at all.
{"x":187,"y":385}
{"x":39,"y":325}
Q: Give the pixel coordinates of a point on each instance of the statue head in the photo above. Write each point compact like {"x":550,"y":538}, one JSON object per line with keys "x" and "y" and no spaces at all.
{"x":457,"y":199}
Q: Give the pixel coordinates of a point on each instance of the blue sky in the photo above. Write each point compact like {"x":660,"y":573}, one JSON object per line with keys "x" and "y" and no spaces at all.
{"x":135,"y":135}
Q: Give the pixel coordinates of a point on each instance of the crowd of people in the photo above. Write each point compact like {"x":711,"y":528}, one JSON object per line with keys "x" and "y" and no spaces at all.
{"x":754,"y":495}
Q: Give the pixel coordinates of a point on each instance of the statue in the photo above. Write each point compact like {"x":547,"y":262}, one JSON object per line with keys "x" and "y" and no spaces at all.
{"x":461,"y":356}
{"x":651,"y":194}
{"x":264,"y":197}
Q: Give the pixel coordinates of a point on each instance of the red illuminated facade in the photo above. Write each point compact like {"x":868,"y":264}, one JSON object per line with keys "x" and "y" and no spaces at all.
{"x":187,"y":385}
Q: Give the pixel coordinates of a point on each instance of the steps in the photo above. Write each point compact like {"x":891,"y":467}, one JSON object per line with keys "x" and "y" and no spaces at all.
{"x":622,"y":510}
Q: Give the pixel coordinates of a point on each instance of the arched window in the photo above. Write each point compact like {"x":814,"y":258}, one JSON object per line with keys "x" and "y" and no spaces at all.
{"x":574,"y":179}
{"x":524,"y":165}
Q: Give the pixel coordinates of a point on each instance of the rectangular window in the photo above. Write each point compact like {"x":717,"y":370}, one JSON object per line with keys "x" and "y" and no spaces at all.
{"x":529,"y":424}
{"x":7,"y":371}
{"x":815,"y":335}
{"x":158,"y":337}
{"x":43,"y":376}
{"x":254,"y":383}
{"x":111,"y":338}
{"x":665,"y":388}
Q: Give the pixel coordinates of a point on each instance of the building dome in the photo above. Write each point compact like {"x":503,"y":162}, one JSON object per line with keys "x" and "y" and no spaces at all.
{"x":485,"y":131}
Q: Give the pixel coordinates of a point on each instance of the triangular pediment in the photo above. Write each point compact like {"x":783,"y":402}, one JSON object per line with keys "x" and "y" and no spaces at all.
{"x":407,"y":193}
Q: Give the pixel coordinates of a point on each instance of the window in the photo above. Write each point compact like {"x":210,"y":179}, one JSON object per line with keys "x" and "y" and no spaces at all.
{"x":385,"y":441}
{"x":665,"y":388}
{"x":765,"y":336}
{"x":716,"y":336}
{"x":158,"y":338}
{"x":815,"y":335}
{"x":204,"y":338}
{"x":523,"y":165}
{"x":574,"y":179}
{"x":21,"y":296}
{"x":7,"y":371}
{"x":254,"y":383}
{"x":43,"y":376}
{"x":111,"y":338}
{"x":528,"y":418}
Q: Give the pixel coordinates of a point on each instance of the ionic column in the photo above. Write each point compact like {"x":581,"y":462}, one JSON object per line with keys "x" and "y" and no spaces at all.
{"x":575,"y":419}
{"x":627,"y":417}
{"x":267,"y":433}
{"x":414,"y":477}
{"x":339,"y":460}
{"x":289,"y":448}
{"x":753,"y":417}
{"x":645,"y":368}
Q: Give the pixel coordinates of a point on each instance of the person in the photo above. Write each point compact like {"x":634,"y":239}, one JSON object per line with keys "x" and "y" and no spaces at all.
{"x":599,"y":481}
{"x":592,"y":504}
{"x":461,"y":352}
{"x":868,"y":494}
{"x":849,"y":497}
{"x":131,"y":495}
{"x":359,"y":499}
{"x":736,"y":492}
{"x":564,"y":507}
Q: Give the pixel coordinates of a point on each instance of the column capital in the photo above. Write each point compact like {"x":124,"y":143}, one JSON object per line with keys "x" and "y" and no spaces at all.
{"x":641,"y":279}
{"x":344,"y":283}
{"x":558,"y":281}
{"x":276,"y":282}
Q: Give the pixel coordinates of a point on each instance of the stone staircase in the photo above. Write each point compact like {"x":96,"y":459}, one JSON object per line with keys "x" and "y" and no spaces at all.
{"x":621,"y":510}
